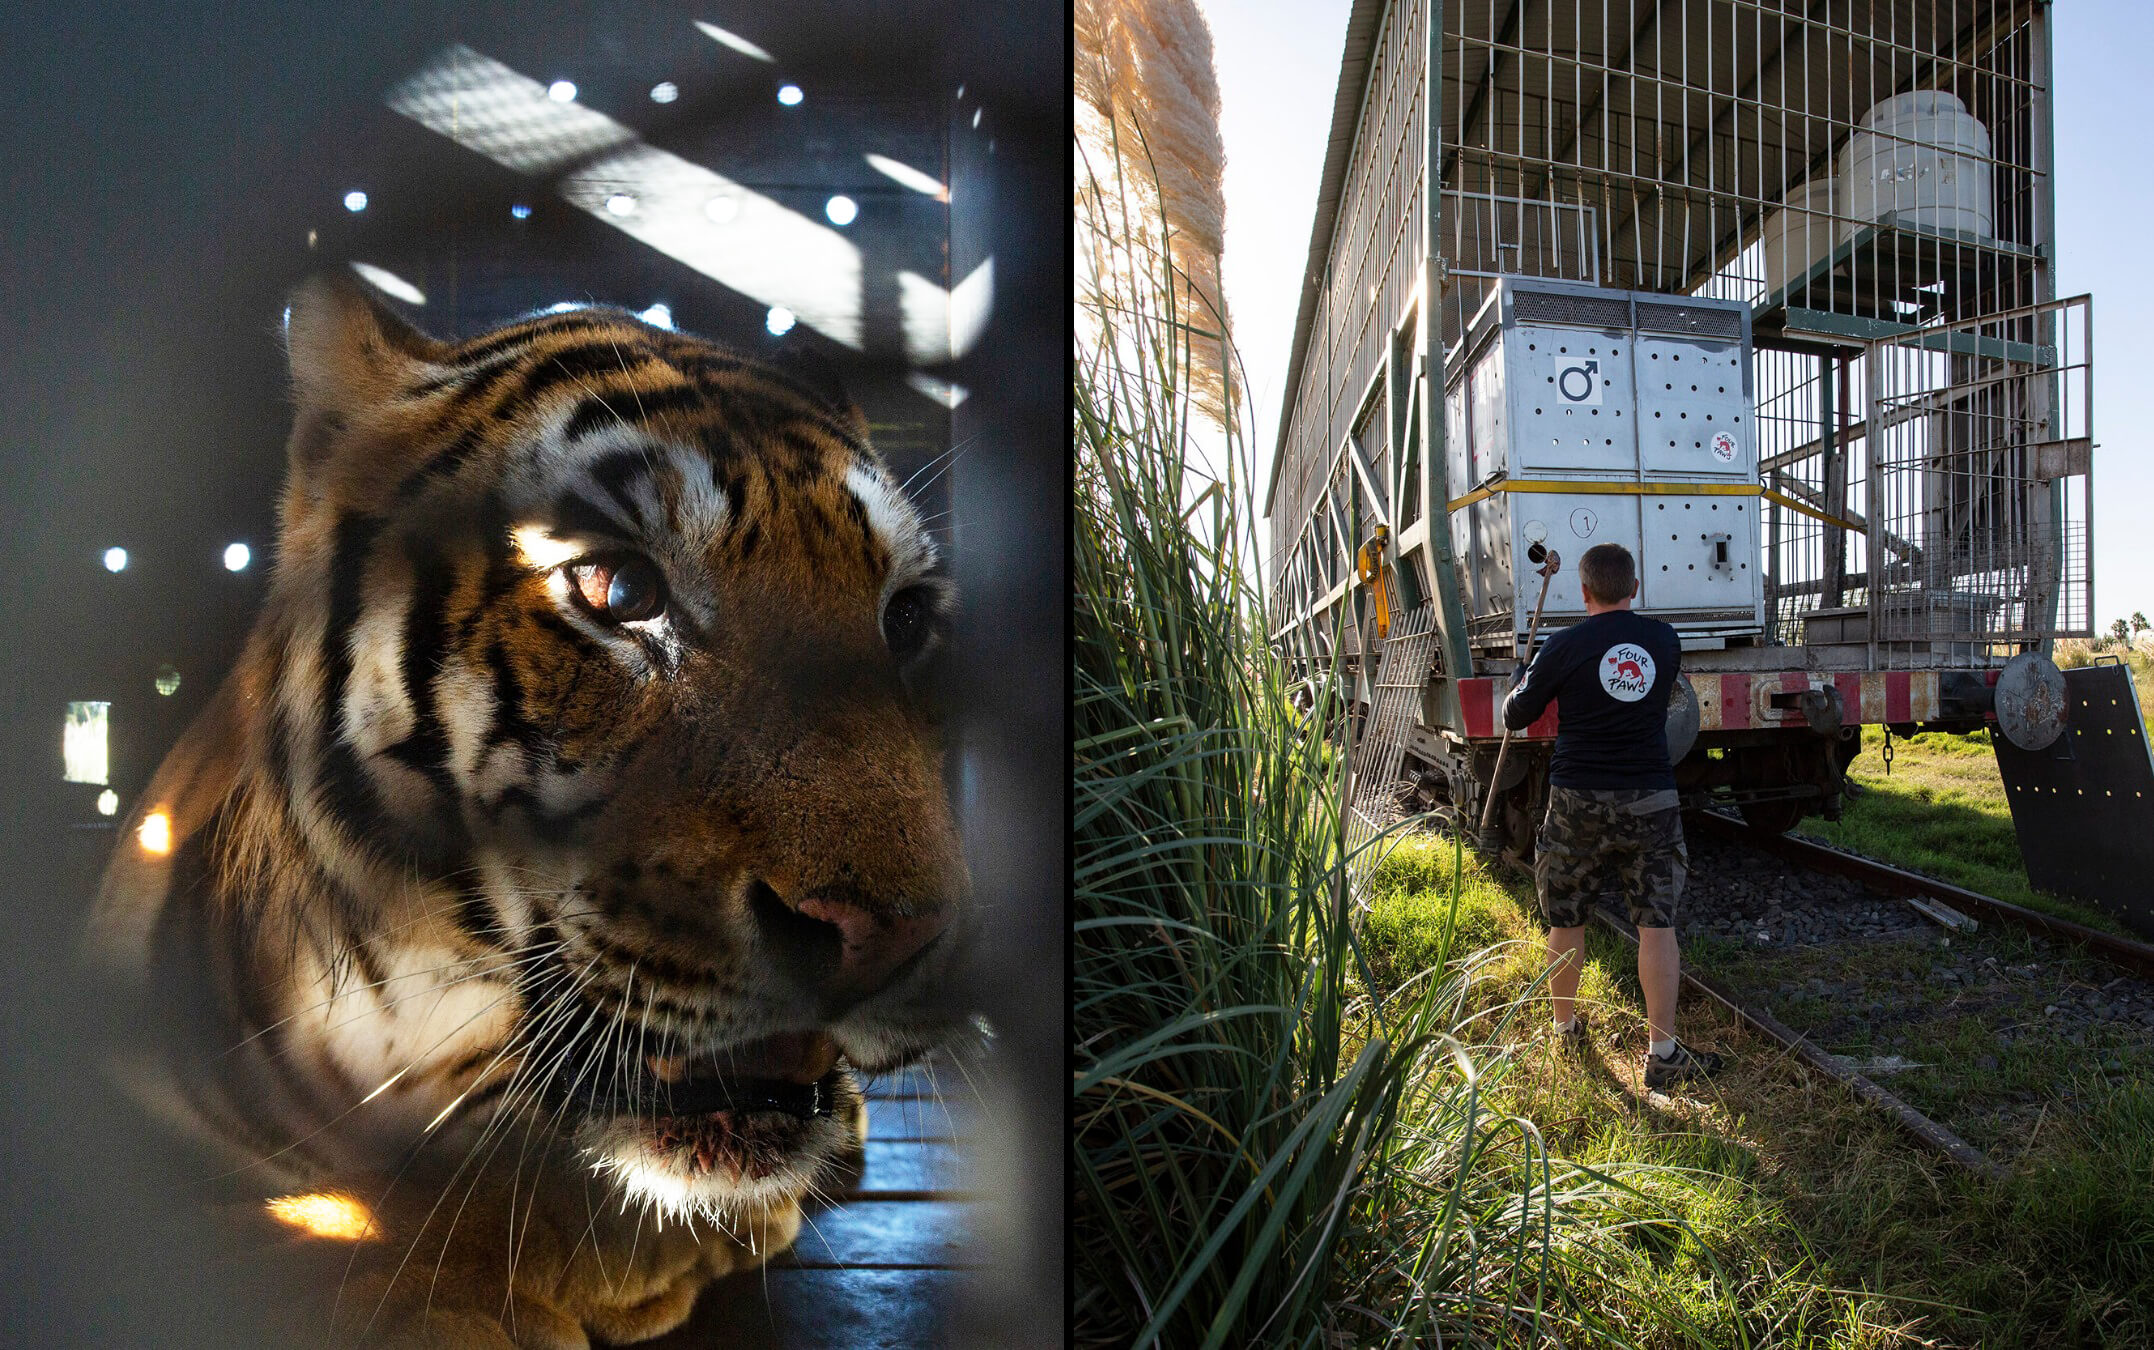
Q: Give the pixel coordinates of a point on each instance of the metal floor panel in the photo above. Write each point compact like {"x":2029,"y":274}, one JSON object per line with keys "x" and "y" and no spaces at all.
{"x":2084,"y":807}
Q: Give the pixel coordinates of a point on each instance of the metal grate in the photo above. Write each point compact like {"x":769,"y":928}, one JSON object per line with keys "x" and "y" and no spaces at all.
{"x":1721,"y":323}
{"x":1402,"y":672}
{"x":1868,"y":177}
{"x":1978,"y":449}
{"x":1584,"y":311}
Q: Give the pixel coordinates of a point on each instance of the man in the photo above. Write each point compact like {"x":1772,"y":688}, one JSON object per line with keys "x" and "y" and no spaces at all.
{"x":1613,"y":818}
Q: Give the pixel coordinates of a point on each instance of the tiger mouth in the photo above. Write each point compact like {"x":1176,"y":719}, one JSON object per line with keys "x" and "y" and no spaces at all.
{"x":747,"y":1116}
{"x":795,"y":1074}
{"x":707,"y":1091}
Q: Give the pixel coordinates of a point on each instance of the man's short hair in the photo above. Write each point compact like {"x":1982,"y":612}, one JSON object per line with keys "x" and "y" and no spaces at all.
{"x":1609,"y":573}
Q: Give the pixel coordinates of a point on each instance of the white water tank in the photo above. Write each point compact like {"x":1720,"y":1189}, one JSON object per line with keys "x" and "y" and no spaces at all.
{"x":1924,"y":159}
{"x":1802,"y":231}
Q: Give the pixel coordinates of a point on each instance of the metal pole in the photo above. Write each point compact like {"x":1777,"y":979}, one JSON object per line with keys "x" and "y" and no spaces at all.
{"x":1551,"y":563}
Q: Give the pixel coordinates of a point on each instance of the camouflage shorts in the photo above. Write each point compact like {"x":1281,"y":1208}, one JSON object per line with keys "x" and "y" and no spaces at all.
{"x":1597,"y":840}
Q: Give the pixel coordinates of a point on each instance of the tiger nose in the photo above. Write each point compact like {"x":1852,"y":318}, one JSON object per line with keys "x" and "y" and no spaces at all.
{"x":842,"y":950}
{"x":874,"y":946}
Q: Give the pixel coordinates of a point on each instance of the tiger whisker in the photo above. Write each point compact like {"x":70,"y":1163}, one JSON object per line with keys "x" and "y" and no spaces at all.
{"x":950,"y":455}
{"x":489,"y":1130}
{"x":265,"y":1159}
{"x":498,"y":1132}
{"x":531,"y":1122}
{"x":955,"y":453}
{"x":411,"y":1157}
{"x":615,"y":1026}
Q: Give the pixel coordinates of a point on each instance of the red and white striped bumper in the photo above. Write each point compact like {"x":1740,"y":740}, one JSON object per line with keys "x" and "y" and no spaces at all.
{"x":1741,"y":702}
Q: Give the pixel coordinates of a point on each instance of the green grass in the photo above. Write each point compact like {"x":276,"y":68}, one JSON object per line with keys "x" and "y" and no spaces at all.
{"x":1828,"y":1225}
{"x":1262,"y":1152}
{"x":1941,"y":810}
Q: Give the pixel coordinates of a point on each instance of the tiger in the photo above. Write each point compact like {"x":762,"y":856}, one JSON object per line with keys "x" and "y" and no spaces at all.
{"x":571,"y":835}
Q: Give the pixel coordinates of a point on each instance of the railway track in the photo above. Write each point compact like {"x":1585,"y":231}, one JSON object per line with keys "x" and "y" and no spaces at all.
{"x":1961,"y":1016}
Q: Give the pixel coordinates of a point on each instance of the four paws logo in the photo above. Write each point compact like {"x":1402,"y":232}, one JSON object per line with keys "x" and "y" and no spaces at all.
{"x":1626,"y":672}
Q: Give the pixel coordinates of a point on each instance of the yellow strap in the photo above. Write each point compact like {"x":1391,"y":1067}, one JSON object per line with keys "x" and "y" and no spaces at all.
{"x":1608,"y":489}
{"x":1368,"y":560}
{"x":1805,"y":508}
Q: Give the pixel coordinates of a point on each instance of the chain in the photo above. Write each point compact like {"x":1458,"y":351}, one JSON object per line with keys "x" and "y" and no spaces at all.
{"x":1888,"y":752}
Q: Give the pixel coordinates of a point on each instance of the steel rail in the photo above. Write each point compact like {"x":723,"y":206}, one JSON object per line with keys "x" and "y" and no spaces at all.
{"x":1891,"y":880}
{"x":2122,"y":951}
{"x":1907,"y":1117}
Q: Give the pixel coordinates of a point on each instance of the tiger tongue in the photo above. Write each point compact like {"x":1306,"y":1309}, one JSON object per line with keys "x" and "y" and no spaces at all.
{"x":792,"y":1057}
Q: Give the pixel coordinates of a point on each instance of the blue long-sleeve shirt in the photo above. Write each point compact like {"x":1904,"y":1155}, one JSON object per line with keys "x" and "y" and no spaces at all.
{"x":1609,"y":676}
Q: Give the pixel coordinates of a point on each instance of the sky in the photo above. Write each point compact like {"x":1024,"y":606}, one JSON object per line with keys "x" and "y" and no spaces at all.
{"x":1278,"y":63}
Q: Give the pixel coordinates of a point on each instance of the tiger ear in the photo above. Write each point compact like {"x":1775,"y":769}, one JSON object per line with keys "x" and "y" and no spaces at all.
{"x":348,"y":352}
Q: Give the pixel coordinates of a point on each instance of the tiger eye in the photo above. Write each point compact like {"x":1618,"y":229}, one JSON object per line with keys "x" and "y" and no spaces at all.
{"x":635,"y":592}
{"x":907,"y":622}
{"x":622,"y":590}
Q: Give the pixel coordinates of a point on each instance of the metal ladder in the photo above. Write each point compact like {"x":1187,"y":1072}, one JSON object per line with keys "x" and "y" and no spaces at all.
{"x":1402,"y":670}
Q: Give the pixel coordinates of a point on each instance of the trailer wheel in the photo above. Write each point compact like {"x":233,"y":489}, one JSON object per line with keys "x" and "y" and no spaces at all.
{"x":1776,"y":817}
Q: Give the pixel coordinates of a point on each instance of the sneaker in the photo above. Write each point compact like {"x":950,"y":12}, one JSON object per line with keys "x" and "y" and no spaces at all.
{"x":1576,"y":1039}
{"x":1685,"y":1063}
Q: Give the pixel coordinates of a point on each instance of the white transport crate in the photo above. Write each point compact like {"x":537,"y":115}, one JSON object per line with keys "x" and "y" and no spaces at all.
{"x":1578,"y":415}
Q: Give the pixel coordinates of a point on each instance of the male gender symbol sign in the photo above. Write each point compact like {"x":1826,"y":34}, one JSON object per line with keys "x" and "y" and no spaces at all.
{"x":1578,"y":380}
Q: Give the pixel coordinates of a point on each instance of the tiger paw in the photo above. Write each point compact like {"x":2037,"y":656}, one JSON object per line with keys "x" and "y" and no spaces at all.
{"x":541,"y":1268}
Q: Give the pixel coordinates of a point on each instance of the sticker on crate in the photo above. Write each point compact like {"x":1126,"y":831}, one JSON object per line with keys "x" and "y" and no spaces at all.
{"x":1579,"y":382}
{"x":1626,"y":672}
{"x":1724,"y":448}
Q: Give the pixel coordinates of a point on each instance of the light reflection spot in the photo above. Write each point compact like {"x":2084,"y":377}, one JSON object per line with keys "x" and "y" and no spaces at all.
{"x":325,"y":1215}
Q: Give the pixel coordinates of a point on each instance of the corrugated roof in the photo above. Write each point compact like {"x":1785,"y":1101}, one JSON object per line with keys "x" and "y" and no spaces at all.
{"x":1362,"y":24}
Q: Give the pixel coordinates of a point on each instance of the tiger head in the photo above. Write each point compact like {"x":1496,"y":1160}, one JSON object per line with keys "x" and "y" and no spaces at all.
{"x":597,"y":655}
